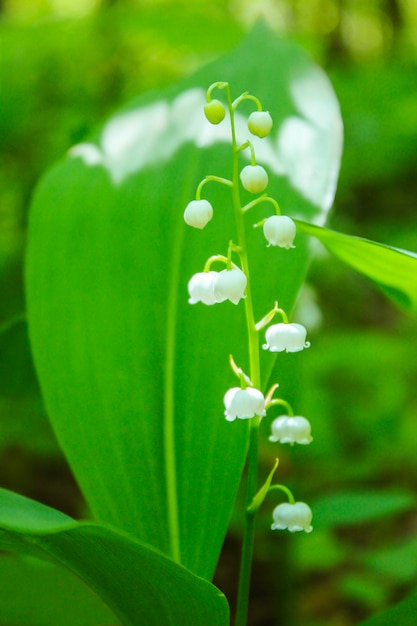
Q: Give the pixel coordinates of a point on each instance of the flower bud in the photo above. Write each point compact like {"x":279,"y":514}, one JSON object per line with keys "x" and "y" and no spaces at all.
{"x":198,"y":213}
{"x":254,"y":178}
{"x":295,"y":517}
{"x":230,"y":285}
{"x":260,"y":123}
{"x":214,"y":111}
{"x":201,"y":288}
{"x":279,"y":230}
{"x":288,"y":337}
{"x":243,"y":403}
{"x":291,"y":430}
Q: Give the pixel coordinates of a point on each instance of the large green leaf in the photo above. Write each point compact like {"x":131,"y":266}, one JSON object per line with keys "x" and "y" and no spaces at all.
{"x":138,"y":583}
{"x":37,"y":593}
{"x":133,"y":376}
{"x":394,"y":271}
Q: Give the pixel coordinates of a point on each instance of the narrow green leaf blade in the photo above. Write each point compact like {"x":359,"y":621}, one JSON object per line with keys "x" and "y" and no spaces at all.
{"x":394,"y":271}
{"x":139,"y":584}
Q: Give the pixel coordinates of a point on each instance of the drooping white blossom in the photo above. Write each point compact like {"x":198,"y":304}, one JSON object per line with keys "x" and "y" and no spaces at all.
{"x":260,"y":123}
{"x":254,"y":178}
{"x":201,"y":288}
{"x":198,"y":213}
{"x":280,"y":230}
{"x":286,"y":429}
{"x":288,"y":337}
{"x":295,"y":517}
{"x":230,"y":285}
{"x":243,"y":403}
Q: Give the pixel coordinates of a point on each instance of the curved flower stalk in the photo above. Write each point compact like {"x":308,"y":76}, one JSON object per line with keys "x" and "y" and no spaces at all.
{"x":233,"y":283}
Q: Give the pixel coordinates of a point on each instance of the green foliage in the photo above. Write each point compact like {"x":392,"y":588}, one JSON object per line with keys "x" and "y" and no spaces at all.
{"x":137,"y":582}
{"x":393,"y":271}
{"x":73,"y":73}
{"x":47,"y":595}
{"x":403,"y":613}
{"x":107,"y":270}
{"x":344,"y":509}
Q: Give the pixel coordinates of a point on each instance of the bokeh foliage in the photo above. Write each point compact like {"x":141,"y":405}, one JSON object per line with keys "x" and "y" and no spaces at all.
{"x":61,"y":75}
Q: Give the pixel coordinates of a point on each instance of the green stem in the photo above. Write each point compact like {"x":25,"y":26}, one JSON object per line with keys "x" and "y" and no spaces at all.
{"x":255,"y":376}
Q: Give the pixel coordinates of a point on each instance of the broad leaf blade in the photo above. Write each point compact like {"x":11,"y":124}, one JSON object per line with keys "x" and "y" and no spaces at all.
{"x":133,"y":376}
{"x":394,"y":271}
{"x":37,"y":593}
{"x":139,"y":584}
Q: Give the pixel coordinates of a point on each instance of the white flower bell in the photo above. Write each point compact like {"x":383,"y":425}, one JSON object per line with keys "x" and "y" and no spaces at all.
{"x":260,"y":123}
{"x":198,"y":213}
{"x":280,"y":230}
{"x":288,"y":337}
{"x":286,"y":429}
{"x":230,"y":285}
{"x":295,"y":517}
{"x":201,"y":288}
{"x":243,"y":403}
{"x":254,"y":178}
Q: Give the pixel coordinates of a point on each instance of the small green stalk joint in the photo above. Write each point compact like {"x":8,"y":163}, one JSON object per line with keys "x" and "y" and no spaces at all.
{"x":245,"y":381}
{"x":270,"y":316}
{"x":262,"y":493}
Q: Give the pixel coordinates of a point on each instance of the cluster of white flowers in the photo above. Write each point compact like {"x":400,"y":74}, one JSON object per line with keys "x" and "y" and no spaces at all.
{"x":212,"y":287}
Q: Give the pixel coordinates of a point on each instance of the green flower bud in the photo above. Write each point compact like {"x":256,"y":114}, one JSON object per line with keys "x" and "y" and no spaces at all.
{"x":214,"y":111}
{"x":260,"y":123}
{"x":254,"y":178}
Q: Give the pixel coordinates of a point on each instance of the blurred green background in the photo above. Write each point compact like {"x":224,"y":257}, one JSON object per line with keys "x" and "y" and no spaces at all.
{"x":65,"y":66}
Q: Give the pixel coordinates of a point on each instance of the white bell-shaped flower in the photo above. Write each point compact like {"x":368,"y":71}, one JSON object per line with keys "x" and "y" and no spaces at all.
{"x":254,"y":178}
{"x":230,"y":285}
{"x":201,"y":288}
{"x":198,"y":213}
{"x":243,"y":403}
{"x":260,"y":123}
{"x":286,"y":429}
{"x":280,"y":230}
{"x":295,"y":517}
{"x":288,"y":337}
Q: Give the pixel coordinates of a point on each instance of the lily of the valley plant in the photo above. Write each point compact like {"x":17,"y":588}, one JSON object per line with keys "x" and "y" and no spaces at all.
{"x":248,"y":400}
